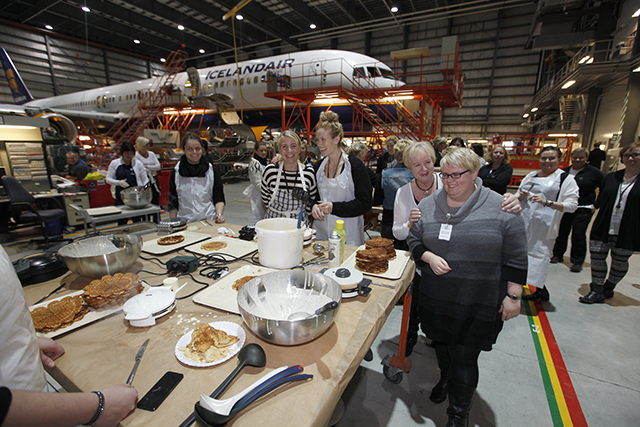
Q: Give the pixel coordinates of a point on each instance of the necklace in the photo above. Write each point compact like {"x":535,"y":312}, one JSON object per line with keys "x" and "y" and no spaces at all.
{"x":426,"y":192}
{"x":335,"y":172}
{"x":286,"y":180}
{"x":624,"y":190}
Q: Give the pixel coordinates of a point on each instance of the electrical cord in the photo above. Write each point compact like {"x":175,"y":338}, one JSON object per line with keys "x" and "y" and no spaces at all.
{"x":206,"y":285}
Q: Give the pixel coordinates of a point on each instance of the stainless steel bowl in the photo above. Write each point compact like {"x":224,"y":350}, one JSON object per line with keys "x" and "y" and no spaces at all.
{"x":136,"y":197}
{"x":266,"y":302}
{"x":96,"y":257}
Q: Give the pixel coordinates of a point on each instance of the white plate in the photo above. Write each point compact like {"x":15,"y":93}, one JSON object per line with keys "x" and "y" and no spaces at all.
{"x":229,"y":327}
{"x":221,"y":295}
{"x":396,"y":266}
{"x":190,"y":238}
{"x":235,"y":247}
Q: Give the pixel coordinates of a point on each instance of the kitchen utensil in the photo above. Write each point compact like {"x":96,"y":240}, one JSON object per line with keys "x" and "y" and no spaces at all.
{"x":223,"y":407}
{"x":136,"y":197}
{"x":304,"y":315}
{"x":143,"y":309}
{"x":301,"y":195}
{"x":300,"y":216}
{"x":251,"y":355}
{"x":210,"y":418}
{"x":346,"y":277}
{"x":266,"y":303}
{"x":318,"y":249}
{"x":138,"y":358}
{"x":98,"y":256}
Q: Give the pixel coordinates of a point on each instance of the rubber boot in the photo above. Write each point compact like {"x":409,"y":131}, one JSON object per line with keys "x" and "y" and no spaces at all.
{"x":440,"y":390}
{"x":595,"y":296}
{"x":607,"y":291}
{"x":460,"y":400}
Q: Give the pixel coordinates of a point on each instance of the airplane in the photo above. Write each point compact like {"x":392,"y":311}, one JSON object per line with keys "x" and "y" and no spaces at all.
{"x":218,"y":86}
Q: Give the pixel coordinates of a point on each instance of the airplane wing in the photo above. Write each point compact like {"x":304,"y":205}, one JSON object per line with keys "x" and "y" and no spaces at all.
{"x":88,"y":115}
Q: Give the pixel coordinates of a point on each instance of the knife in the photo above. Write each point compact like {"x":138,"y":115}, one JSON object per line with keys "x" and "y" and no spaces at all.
{"x":138,"y":357}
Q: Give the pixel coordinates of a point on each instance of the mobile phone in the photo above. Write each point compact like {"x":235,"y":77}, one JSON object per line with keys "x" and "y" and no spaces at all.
{"x":159,"y":392}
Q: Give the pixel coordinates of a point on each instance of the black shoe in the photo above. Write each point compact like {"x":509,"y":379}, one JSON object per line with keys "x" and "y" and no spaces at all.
{"x":607,"y":293}
{"x":460,"y":400}
{"x":369,"y":356}
{"x":441,"y":390}
{"x":556,"y":260}
{"x":576,"y":268}
{"x":539,"y":294}
{"x":592,"y":297}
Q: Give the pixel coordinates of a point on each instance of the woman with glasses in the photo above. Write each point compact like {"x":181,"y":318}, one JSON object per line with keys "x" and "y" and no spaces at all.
{"x":616,"y":228}
{"x":475,"y":257}
{"x":545,"y":196}
{"x":195,"y":190}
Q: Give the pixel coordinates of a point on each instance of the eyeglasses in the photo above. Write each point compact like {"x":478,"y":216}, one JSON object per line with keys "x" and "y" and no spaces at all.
{"x":634,"y":156}
{"x":455,"y":175}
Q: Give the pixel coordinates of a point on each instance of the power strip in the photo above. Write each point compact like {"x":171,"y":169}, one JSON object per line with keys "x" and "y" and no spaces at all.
{"x":182,"y":264}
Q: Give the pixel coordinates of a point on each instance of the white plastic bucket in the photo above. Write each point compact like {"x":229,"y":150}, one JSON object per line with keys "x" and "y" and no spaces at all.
{"x":279,"y":242}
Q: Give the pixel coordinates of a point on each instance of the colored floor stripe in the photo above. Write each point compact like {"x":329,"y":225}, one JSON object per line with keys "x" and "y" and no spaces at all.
{"x":563,"y":403}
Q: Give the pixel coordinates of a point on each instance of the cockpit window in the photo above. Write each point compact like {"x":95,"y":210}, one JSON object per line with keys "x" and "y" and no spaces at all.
{"x":387,"y":74}
{"x":373,"y":72}
{"x":359,"y":72}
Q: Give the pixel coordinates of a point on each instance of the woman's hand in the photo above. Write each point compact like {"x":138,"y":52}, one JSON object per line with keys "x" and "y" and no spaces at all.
{"x":509,"y":308}
{"x":219,"y":219}
{"x":523,"y":194}
{"x":510,"y":203}
{"x":537,"y":198}
{"x":49,"y":351}
{"x":119,"y":401}
{"x":414,"y":216}
{"x":438,"y":265}
{"x":317,"y":213}
{"x":321,"y":209}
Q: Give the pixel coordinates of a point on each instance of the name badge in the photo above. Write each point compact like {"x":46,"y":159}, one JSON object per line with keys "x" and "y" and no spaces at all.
{"x":445,"y":232}
{"x":616,"y":215}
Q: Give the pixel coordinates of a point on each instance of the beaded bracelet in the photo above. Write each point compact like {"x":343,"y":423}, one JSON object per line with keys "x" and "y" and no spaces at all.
{"x":99,"y":410}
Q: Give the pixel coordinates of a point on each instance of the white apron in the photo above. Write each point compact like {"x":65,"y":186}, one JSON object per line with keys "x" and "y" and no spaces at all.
{"x":195,"y":202}
{"x":339,"y":189}
{"x":537,"y":220}
{"x":20,"y":365}
{"x":253,"y":190}
{"x":282,"y":204}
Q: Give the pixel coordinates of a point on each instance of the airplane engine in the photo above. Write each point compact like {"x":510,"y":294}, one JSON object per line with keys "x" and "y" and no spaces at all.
{"x":63,"y":125}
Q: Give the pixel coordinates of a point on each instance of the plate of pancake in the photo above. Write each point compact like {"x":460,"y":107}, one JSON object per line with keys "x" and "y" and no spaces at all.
{"x":223,"y":245}
{"x":172,"y":242}
{"x":379,"y":258}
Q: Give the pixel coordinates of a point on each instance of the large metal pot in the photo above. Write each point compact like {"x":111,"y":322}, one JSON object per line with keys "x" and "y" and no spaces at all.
{"x":267,"y":301}
{"x":98,"y":256}
{"x":136,"y":197}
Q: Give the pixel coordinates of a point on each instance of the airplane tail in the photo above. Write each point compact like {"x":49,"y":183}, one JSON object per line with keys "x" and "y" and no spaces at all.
{"x":19,"y":90}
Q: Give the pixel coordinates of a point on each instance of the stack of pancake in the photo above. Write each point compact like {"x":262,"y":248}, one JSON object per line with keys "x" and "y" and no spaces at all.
{"x":382,"y":243}
{"x":375,"y":258}
{"x":111,"y":290}
{"x":58,"y":314}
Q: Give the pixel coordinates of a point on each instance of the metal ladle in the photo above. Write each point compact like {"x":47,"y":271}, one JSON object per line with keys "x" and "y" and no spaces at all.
{"x":301,"y":315}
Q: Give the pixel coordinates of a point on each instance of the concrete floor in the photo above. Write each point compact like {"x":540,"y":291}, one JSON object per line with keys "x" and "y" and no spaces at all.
{"x":599,"y":345}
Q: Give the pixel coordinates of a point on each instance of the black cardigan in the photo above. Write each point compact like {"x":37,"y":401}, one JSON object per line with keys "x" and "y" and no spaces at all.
{"x":629,"y":235}
{"x":363,"y":200}
{"x":588,"y":179}
{"x":498,"y":180}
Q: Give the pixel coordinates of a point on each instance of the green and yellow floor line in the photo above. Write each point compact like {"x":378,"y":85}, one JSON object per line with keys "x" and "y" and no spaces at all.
{"x":563,"y":402}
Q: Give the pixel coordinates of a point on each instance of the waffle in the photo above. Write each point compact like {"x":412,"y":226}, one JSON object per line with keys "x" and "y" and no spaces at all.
{"x":382,"y":243}
{"x":171,"y":240}
{"x":213,"y":246}
{"x":208,"y":344}
{"x":372,"y":260}
{"x":238,"y":284}
{"x":58,"y":314}
{"x":111,"y":290}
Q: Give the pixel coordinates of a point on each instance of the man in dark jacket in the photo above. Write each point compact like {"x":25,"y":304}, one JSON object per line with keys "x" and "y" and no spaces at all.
{"x":597,"y":156}
{"x":589,"y":179}
{"x":78,"y":168}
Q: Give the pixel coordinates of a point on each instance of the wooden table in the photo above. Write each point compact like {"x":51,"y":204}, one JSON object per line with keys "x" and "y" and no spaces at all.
{"x":102,"y":353}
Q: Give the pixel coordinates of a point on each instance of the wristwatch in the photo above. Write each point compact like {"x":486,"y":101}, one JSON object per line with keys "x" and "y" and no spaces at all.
{"x":514,"y":297}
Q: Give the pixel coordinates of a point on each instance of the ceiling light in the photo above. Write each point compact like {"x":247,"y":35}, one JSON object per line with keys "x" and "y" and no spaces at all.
{"x":181,"y":27}
{"x":394,"y":9}
{"x":312,"y":26}
{"x":136,"y":41}
{"x":590,"y":61}
{"x":86,"y":9}
{"x":163,"y":60}
{"x":239,"y":17}
{"x":201,"y":51}
{"x":525,"y":115}
{"x":534,"y":109}
{"x":637,"y":70}
{"x":584,"y":59}
{"x":48,"y":27}
{"x":635,"y":15}
{"x":568,"y":84}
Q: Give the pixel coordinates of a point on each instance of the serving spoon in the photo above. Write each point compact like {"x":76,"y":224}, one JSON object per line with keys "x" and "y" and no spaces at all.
{"x":301,"y":315}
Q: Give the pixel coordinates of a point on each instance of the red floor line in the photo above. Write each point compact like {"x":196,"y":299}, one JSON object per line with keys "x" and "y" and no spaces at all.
{"x":571,"y":398}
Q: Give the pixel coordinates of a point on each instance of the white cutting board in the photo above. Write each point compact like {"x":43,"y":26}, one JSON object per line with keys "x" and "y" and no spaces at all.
{"x":396,"y":266}
{"x":235,"y":247}
{"x":221,"y":295}
{"x":152,"y":246}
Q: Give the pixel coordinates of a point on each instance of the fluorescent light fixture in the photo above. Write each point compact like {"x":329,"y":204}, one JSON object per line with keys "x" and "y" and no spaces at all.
{"x":239,"y":17}
{"x":636,"y":14}
{"x":568,"y":84}
{"x":84,"y":137}
{"x":534,"y":109}
{"x":17,"y":127}
{"x":584,"y":59}
{"x":477,"y":141}
{"x":86,"y":147}
{"x":637,"y":70}
{"x":201,"y":51}
{"x":397,"y":98}
{"x":163,"y":60}
{"x":590,"y":61}
{"x":136,"y":41}
{"x":525,"y":115}
{"x":394,"y":9}
{"x":181,"y":27}
{"x":561,"y":135}
{"x":48,"y":27}
{"x":312,"y":26}
{"x":86,"y":9}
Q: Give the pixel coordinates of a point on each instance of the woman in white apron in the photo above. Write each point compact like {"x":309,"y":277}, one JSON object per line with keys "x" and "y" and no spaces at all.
{"x":196,"y":190}
{"x":545,"y":195}
{"x":280,"y":181}
{"x":256,"y":168}
{"x":343,"y":184}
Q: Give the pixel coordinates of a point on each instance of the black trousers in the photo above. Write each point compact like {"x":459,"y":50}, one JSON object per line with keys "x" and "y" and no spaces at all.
{"x":575,"y":224}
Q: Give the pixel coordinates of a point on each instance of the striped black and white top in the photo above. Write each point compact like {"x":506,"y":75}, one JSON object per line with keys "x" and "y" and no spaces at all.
{"x":289,"y":181}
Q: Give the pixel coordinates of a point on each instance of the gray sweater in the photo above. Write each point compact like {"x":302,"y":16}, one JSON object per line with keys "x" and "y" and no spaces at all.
{"x":487,"y":248}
